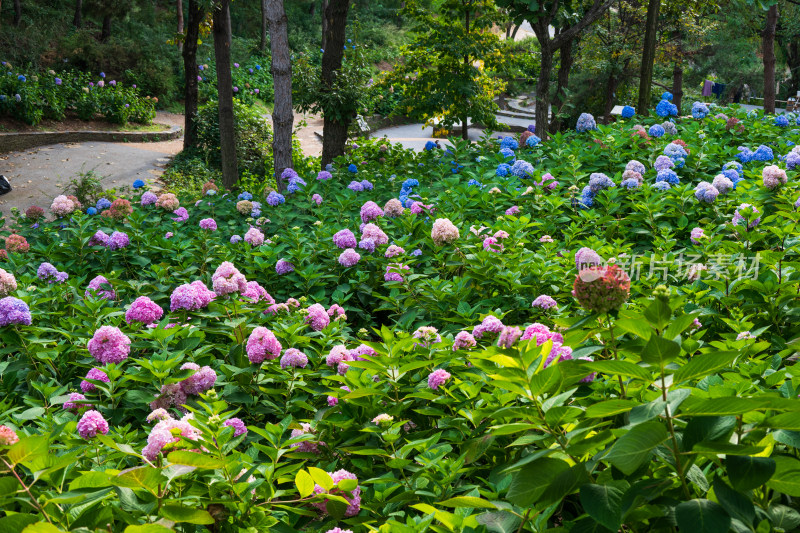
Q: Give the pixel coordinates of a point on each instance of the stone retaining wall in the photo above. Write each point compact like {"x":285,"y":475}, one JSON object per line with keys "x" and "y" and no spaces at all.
{"x":12,"y":142}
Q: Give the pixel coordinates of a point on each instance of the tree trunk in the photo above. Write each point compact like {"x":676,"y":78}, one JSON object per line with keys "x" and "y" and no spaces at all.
{"x":282,"y":116}
{"x":564,"y":67}
{"x":324,"y":23}
{"x":793,"y":62}
{"x":262,"y":45}
{"x":196,"y":16}
{"x":17,"y":12}
{"x":179,"y":9}
{"x":514,"y":33}
{"x":648,"y":57}
{"x":543,"y":87}
{"x":77,"y":20}
{"x":227,"y":130}
{"x":677,"y":74}
{"x":465,"y":117}
{"x":768,"y":45}
{"x":106,"y":31}
{"x":334,"y":130}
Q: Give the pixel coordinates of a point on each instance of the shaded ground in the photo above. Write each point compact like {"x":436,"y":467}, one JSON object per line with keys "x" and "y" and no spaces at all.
{"x":8,"y":125}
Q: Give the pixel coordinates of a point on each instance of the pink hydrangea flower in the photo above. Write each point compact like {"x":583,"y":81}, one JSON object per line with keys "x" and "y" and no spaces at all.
{"x":262,"y":344}
{"x":317,"y":199}
{"x":697,"y":235}
{"x":143,"y":310}
{"x":513,"y":210}
{"x":166,"y":434}
{"x":202,"y":380}
{"x":544,"y":302}
{"x":227,"y":279}
{"x":109,"y":345}
{"x":444,"y":232}
{"x":362,"y":350}
{"x":8,"y":283}
{"x":394,"y":272}
{"x":168,"y":202}
{"x":317,"y":317}
{"x":238,"y":426}
{"x":773,"y":177}
{"x":95,"y":374}
{"x":353,"y":497}
{"x":101,"y":288}
{"x":62,"y":206}
{"x":191,"y":297}
{"x":256,"y":293}
{"x":371,"y":231}
{"x":283,"y":267}
{"x":294,"y":358}
{"x":349,"y":258}
{"x":333,"y":400}
{"x":8,"y":436}
{"x":344,"y":239}
{"x":393,"y":251}
{"x":74,"y":402}
{"x":181,"y":215}
{"x":254,"y":237}
{"x":428,"y":336}
{"x":393,"y":208}
{"x":491,"y":324}
{"x":170,"y":395}
{"x":464,"y":341}
{"x":491,"y":244}
{"x":336,"y":312}
{"x":437,"y":378}
{"x":92,"y":423}
{"x":508,"y":336}
{"x":370,"y":211}
{"x":307,"y":446}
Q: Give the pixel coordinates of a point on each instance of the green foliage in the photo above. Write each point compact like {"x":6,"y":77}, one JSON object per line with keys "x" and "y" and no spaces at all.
{"x":446,"y":72}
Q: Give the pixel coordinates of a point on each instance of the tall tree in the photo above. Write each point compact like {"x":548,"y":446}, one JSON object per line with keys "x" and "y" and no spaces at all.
{"x":262,"y":45}
{"x":648,"y":56}
{"x":179,"y":9}
{"x":542,"y":16}
{"x":17,"y":12}
{"x":197,"y":14}
{"x":227,"y":129}
{"x":282,"y":116}
{"x":335,"y":126}
{"x":77,"y":19}
{"x":768,"y":53}
{"x":324,"y":9}
{"x":443,"y":74}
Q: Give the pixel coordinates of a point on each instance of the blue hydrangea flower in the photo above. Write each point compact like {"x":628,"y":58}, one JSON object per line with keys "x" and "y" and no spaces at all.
{"x":662,"y":185}
{"x":275,"y":198}
{"x":355,"y":186}
{"x":599,"y":181}
{"x":532,"y":128}
{"x":245,"y":196}
{"x":502,"y":170}
{"x":366,"y":185}
{"x":586,"y":122}
{"x":667,"y":96}
{"x":507,"y":153}
{"x":674,"y":150}
{"x":103,"y":203}
{"x":352,"y":168}
{"x":509,"y":142}
{"x":679,"y":162}
{"x":628,"y":111}
{"x":521,"y":169}
{"x":236,"y":238}
{"x":329,"y":167}
{"x":532,"y":141}
{"x":656,"y":130}
{"x":474,"y":182}
{"x":665,"y":108}
{"x":430,"y":145}
{"x":410,"y":183}
{"x":416,"y":252}
{"x":745,"y":154}
{"x":586,"y":199}
{"x":22,"y":78}
{"x":630,"y":183}
{"x":91,"y":211}
{"x":667,"y":175}
{"x":699,"y":110}
{"x":763,"y":153}
{"x":138,"y":184}
{"x":669,"y":127}
{"x":782,"y":121}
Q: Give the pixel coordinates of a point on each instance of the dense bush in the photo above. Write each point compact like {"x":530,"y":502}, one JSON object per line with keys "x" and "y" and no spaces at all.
{"x":33,"y":97}
{"x":497,"y":383}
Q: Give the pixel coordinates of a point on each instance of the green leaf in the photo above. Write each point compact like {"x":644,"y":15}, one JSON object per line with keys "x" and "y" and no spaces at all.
{"x":566,"y":482}
{"x":41,"y":527}
{"x":787,"y":475}
{"x":784,"y":517}
{"x":321,"y":478}
{"x":660,"y":351}
{"x":347,"y":484}
{"x":17,"y":522}
{"x":658,"y":314}
{"x":499,"y":522}
{"x":707,"y":428}
{"x":604,"y":504}
{"x":90,"y":480}
{"x":28,"y":449}
{"x":703,"y":365}
{"x":788,"y":421}
{"x":729,"y":405}
{"x":195,"y":459}
{"x":530,"y":482}
{"x":736,"y":504}
{"x":304,"y":483}
{"x":620,"y":368}
{"x":610,"y":408}
{"x":702,"y":516}
{"x":139,"y":477}
{"x":178,"y":513}
{"x":148,"y":528}
{"x":470,"y":502}
{"x":747,"y":473}
{"x":638,"y":327}
{"x":633,"y":448}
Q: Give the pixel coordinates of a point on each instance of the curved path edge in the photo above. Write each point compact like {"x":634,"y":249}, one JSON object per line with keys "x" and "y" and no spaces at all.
{"x":13,"y":142}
